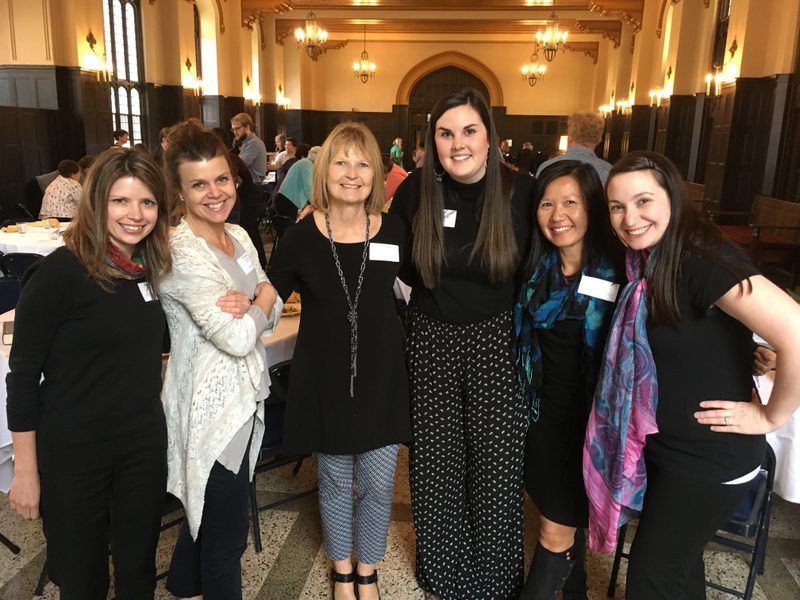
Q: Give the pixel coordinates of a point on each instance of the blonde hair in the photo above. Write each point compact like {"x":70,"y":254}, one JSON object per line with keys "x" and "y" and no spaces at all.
{"x":346,"y":137}
{"x":585,"y":128}
{"x":88,"y":238}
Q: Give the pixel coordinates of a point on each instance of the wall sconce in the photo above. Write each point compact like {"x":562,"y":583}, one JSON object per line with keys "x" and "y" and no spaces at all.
{"x":250,"y":94}
{"x":190,"y":81}
{"x":724,"y":73}
{"x":606,"y":110}
{"x":656,"y":95}
{"x":96,"y":62}
{"x":282,"y":100}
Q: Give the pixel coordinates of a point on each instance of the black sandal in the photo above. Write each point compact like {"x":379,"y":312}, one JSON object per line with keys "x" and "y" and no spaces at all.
{"x":368,"y":580}
{"x":337,"y":577}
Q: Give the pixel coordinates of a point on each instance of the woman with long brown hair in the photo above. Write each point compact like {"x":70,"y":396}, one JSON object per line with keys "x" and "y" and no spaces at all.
{"x":471,"y":224}
{"x":84,"y":389}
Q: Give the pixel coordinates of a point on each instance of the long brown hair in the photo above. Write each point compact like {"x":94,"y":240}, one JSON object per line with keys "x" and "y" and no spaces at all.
{"x":495,"y":239}
{"x":87,"y":237}
{"x":685,"y":234}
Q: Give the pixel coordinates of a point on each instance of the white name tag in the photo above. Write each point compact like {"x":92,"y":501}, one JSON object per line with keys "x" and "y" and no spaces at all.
{"x":450,"y":218}
{"x":385,"y":252}
{"x":598,"y":288}
{"x":146,"y":292}
{"x":245,"y":263}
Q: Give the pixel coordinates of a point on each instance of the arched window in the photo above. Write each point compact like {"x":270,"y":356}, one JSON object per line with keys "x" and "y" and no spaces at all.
{"x":122,"y":21}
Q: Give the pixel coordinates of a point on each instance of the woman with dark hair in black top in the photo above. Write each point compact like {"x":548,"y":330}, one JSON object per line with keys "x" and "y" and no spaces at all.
{"x":692,"y":435}
{"x":471,"y":226}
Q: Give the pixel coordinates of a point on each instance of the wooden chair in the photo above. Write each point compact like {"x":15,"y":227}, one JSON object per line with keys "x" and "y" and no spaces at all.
{"x":696,"y":195}
{"x":769,"y":234}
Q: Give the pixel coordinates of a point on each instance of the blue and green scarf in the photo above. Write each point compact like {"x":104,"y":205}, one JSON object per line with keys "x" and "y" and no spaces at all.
{"x":547,"y":298}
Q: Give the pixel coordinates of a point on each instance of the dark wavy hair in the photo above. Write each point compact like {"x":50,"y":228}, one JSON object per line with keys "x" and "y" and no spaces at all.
{"x":686,"y":233}
{"x":495,"y":240}
{"x":599,"y":239}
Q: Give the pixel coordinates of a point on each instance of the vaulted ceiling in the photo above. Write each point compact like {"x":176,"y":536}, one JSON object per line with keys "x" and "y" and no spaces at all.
{"x":587,"y":22}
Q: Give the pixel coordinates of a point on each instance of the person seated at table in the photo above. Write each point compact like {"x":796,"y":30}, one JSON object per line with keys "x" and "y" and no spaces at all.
{"x":84,"y":402}
{"x":295,"y":191}
{"x":394,"y":177}
{"x":348,"y":392}
{"x":62,"y":197}
{"x":218,"y":304}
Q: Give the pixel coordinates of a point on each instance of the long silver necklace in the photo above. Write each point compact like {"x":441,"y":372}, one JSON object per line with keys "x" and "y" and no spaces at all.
{"x":352,"y":304}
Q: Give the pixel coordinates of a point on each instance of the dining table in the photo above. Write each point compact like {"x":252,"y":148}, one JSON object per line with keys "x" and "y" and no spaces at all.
{"x":279,"y":347}
{"x":36,"y":240}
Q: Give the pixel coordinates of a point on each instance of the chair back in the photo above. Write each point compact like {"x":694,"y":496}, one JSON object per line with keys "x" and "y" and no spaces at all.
{"x":14,"y":264}
{"x":9,"y":294}
{"x":275,"y":404}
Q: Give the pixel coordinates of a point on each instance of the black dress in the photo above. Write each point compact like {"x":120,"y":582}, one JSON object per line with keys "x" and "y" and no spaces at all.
{"x":320,"y":414}
{"x":554,"y":444}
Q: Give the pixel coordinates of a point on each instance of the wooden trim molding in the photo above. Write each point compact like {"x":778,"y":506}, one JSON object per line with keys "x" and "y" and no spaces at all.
{"x":11,"y":33}
{"x":450,"y":59}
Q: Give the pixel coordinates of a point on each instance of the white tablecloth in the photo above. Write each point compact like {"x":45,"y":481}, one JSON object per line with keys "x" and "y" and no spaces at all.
{"x":36,"y":240}
{"x":786,"y":444}
{"x":279,"y":347}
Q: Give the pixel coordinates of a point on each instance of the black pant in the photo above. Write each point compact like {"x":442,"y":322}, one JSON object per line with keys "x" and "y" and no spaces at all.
{"x":678,"y":518}
{"x":211,"y":565}
{"x":468,"y":430}
{"x":118,"y":502}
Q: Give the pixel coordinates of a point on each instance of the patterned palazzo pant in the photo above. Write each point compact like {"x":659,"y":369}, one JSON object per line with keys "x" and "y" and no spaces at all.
{"x":466,"y":467}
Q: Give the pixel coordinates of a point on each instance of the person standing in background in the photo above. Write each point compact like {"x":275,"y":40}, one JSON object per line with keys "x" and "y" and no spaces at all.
{"x":396,"y":152}
{"x":251,"y":149}
{"x":584,"y":132}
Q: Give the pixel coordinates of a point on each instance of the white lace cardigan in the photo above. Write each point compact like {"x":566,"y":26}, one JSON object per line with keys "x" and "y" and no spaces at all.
{"x":214,"y":369}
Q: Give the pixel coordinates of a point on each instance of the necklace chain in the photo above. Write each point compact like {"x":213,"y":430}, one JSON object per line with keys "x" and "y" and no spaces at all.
{"x":352,"y":304}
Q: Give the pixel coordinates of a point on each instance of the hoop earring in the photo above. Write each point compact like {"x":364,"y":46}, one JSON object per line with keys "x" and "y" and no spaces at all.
{"x":437,"y":174}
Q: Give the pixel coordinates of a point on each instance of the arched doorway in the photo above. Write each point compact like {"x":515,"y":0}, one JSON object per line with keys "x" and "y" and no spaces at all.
{"x":428,"y":90}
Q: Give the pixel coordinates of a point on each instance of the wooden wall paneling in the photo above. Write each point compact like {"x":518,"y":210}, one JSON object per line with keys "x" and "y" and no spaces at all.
{"x":697,"y":137}
{"x":616,"y":134}
{"x":28,"y":86}
{"x":662,"y":125}
{"x":680,"y":131}
{"x":721,"y":110}
{"x":624,"y":147}
{"x":12,"y":165}
{"x":97,"y":119}
{"x":605,"y":144}
{"x":165,"y":105}
{"x":778,"y":133}
{"x":70,"y":133}
{"x":642,"y":130}
{"x":748,"y":142}
{"x":789,"y":165}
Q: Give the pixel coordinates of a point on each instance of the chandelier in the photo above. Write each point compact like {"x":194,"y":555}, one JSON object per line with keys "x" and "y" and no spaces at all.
{"x":534,"y":71}
{"x":364,"y":69}
{"x":312,"y":37}
{"x":552,"y":39}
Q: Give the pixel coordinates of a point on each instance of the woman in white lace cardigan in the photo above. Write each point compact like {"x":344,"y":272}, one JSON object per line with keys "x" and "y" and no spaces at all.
{"x":218,"y":303}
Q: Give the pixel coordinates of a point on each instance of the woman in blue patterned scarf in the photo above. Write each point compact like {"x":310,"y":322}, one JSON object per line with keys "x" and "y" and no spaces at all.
{"x":561,"y":320}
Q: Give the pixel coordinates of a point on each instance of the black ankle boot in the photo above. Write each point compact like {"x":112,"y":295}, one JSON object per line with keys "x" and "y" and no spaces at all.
{"x":549,"y":571}
{"x":575,"y":585}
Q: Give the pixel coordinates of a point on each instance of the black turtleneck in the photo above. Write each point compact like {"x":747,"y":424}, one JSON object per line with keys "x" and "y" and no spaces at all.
{"x":465,"y":293}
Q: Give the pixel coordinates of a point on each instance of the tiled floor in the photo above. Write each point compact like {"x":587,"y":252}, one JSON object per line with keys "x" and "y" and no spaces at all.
{"x":293,"y":566}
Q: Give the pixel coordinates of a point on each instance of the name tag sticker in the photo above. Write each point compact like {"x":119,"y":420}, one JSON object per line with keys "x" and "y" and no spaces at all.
{"x":245,"y":263}
{"x":147,"y":293}
{"x":598,"y":288}
{"x":385,"y":252}
{"x":450,"y":218}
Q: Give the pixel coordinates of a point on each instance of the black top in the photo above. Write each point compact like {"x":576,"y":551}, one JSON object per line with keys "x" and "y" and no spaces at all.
{"x":100,"y":354}
{"x":563,"y":381}
{"x":320,"y":415}
{"x":465,"y":293}
{"x":707,"y":356}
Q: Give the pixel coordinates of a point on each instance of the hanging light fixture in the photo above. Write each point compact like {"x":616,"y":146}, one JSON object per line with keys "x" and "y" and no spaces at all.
{"x":552,"y":40}
{"x":534,"y":71}
{"x":312,"y":37}
{"x":364,"y":69}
